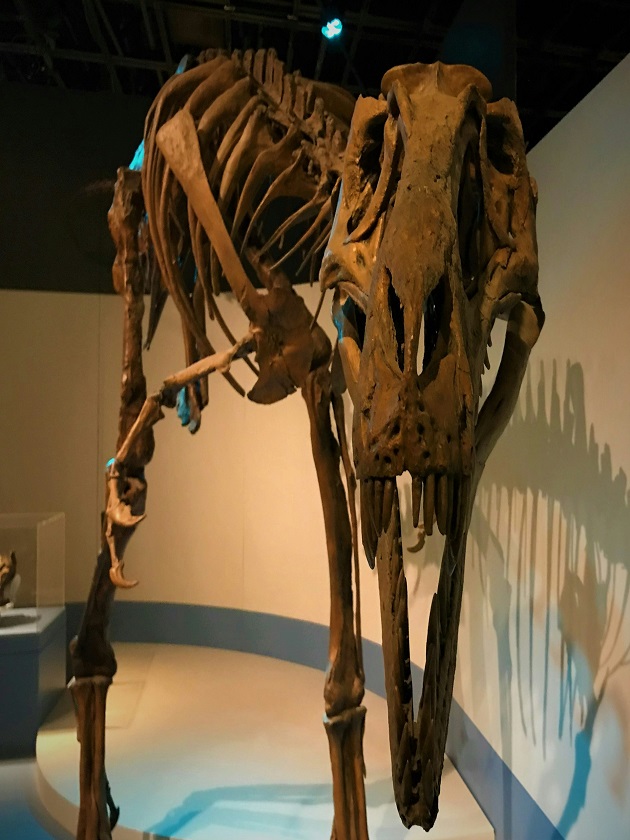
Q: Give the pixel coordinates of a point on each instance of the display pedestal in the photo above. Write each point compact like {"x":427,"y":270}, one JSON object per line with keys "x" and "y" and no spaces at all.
{"x":32,"y":674}
{"x":206,"y":744}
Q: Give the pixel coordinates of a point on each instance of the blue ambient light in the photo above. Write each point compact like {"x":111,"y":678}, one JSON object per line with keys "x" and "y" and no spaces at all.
{"x":332,"y":29}
{"x":138,"y":158}
{"x":183,"y":409}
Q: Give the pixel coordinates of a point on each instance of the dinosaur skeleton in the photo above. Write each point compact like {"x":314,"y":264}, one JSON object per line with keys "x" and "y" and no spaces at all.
{"x":243,"y":168}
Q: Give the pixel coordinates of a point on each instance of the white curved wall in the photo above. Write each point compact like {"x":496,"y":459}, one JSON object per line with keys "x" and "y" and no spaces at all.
{"x":545,"y":635}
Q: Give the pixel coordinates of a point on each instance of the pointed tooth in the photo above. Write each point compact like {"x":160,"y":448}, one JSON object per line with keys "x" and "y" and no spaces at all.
{"x":489,"y":341}
{"x":424,"y":726}
{"x":427,"y":784}
{"x":403,"y":753}
{"x":416,"y":499}
{"x":429,"y":503}
{"x":442,"y":498}
{"x":378,"y":505}
{"x":369,"y":497}
{"x":388,"y":501}
{"x":486,"y":361}
{"x":407,"y":785}
{"x":426,"y":752}
{"x":368,"y":532}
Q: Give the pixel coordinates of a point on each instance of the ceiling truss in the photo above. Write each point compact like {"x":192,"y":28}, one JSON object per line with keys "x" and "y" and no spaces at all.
{"x":132,"y":46}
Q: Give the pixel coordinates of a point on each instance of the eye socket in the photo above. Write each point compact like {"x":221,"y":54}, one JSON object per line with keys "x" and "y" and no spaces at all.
{"x":367,"y":170}
{"x":500,"y":153}
{"x":469,"y":219}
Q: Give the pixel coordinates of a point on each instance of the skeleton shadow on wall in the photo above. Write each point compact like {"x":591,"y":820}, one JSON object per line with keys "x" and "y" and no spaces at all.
{"x":549,"y":542}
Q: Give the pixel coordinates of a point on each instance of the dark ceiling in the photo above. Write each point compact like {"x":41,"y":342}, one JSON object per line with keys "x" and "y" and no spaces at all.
{"x":563,"y":47}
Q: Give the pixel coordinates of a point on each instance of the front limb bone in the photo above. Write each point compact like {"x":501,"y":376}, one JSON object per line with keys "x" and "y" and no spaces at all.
{"x":125,"y":490}
{"x":344,"y":687}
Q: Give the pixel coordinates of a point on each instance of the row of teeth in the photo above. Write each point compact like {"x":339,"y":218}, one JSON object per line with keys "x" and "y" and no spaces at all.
{"x":437,"y":495}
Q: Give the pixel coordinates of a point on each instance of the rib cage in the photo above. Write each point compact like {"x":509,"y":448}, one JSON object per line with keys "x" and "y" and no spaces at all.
{"x":263,"y":134}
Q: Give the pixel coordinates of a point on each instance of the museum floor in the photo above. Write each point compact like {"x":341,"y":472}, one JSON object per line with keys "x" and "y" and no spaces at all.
{"x":206,"y":744}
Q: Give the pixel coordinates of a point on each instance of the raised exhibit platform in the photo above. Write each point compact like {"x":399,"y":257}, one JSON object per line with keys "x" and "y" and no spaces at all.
{"x":207,"y":744}
{"x":32,"y":674}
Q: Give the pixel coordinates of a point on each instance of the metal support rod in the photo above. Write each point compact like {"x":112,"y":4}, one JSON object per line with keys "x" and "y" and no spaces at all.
{"x":320,"y":59}
{"x":166,"y":47}
{"x":95,"y":31}
{"x":355,"y":43}
{"x":42,"y":48}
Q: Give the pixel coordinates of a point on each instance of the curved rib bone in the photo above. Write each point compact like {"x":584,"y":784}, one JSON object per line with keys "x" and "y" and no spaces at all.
{"x":231,"y":137}
{"x":223,"y":75}
{"x":324,"y":211}
{"x":290,"y":182}
{"x":269,"y":163}
{"x":302,"y":214}
{"x":223,"y":111}
{"x":254,"y":140}
{"x":317,"y":246}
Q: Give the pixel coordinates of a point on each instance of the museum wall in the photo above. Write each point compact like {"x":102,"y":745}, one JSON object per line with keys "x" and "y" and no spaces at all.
{"x":234,"y":517}
{"x":544,"y":668}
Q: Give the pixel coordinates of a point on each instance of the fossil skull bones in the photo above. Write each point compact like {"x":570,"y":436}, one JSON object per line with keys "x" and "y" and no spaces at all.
{"x":8,"y":568}
{"x":433,"y":240}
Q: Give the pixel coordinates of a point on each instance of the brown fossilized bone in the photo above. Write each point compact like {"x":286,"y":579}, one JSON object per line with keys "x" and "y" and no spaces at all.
{"x":229,"y":144}
{"x":243,"y":168}
{"x":433,"y":240}
{"x":8,"y":569}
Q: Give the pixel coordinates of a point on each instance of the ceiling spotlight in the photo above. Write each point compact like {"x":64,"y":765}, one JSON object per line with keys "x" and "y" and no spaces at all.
{"x":332,"y":29}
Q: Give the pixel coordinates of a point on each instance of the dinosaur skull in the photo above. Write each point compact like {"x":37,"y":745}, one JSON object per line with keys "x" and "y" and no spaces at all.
{"x":433,"y":240}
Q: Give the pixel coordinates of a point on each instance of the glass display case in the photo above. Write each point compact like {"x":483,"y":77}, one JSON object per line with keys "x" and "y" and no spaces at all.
{"x":32,"y":625}
{"x":32,"y":567}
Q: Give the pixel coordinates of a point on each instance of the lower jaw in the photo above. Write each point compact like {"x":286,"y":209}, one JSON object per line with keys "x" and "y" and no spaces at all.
{"x":417,"y":742}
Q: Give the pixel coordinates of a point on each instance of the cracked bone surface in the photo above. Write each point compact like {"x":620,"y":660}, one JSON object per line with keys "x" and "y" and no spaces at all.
{"x":433,"y":240}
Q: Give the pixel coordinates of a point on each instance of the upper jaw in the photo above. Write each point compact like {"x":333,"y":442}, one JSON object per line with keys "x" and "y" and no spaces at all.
{"x":440,"y":498}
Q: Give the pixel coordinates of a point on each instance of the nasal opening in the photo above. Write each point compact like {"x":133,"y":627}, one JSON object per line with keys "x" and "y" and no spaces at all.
{"x":435,"y":329}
